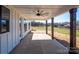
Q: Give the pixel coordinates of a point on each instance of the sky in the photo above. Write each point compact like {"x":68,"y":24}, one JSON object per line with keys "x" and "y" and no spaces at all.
{"x":62,"y":18}
{"x":65,"y":17}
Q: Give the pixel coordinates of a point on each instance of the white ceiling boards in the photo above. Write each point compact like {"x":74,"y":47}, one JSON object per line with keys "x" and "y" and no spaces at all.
{"x":45,"y":11}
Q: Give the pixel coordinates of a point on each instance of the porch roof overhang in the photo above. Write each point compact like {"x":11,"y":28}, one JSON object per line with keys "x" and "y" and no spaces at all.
{"x":27,"y":11}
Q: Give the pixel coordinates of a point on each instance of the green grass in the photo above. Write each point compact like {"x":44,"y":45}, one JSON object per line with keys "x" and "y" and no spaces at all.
{"x":38,"y":28}
{"x":59,"y":30}
{"x":77,"y":33}
{"x":62,"y":30}
{"x":65,"y":31}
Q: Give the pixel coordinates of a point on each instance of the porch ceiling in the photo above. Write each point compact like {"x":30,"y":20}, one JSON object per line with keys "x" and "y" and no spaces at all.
{"x":27,"y":11}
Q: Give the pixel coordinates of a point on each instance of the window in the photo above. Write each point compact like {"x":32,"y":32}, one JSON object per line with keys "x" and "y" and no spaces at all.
{"x":25,"y":25}
{"x":20,"y":26}
{"x":4,"y":19}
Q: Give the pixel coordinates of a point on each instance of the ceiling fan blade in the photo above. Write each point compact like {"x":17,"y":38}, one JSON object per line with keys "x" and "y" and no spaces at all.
{"x":45,"y":14}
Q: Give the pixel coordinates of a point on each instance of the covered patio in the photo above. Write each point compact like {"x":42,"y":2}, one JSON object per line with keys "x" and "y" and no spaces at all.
{"x":44,"y":39}
{"x":22,"y":40}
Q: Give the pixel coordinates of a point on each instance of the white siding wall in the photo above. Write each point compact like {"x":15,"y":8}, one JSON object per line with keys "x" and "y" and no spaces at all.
{"x":4,"y":42}
{"x":10,"y":37}
{"x":9,"y":40}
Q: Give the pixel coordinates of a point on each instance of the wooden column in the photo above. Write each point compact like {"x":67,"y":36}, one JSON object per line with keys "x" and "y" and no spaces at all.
{"x":52,"y":27}
{"x":72,"y":30}
{"x":46,"y":27}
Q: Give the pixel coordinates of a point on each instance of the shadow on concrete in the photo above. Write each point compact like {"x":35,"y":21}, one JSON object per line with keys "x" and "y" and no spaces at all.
{"x":45,"y":47}
{"x":67,"y":44}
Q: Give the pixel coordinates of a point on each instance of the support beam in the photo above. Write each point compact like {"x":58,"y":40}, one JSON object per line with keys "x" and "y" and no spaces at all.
{"x":72,"y":30}
{"x":52,"y":27}
{"x":46,"y":27}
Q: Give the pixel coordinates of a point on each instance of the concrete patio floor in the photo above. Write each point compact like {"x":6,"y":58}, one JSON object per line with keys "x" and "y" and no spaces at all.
{"x":35,"y":43}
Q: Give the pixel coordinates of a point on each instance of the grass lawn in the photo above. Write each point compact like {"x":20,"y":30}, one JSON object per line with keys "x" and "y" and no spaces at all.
{"x":39,"y":28}
{"x":65,"y":31}
{"x":59,"y":30}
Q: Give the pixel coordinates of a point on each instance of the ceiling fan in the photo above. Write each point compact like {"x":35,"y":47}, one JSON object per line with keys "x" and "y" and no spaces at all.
{"x":41,"y":13}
